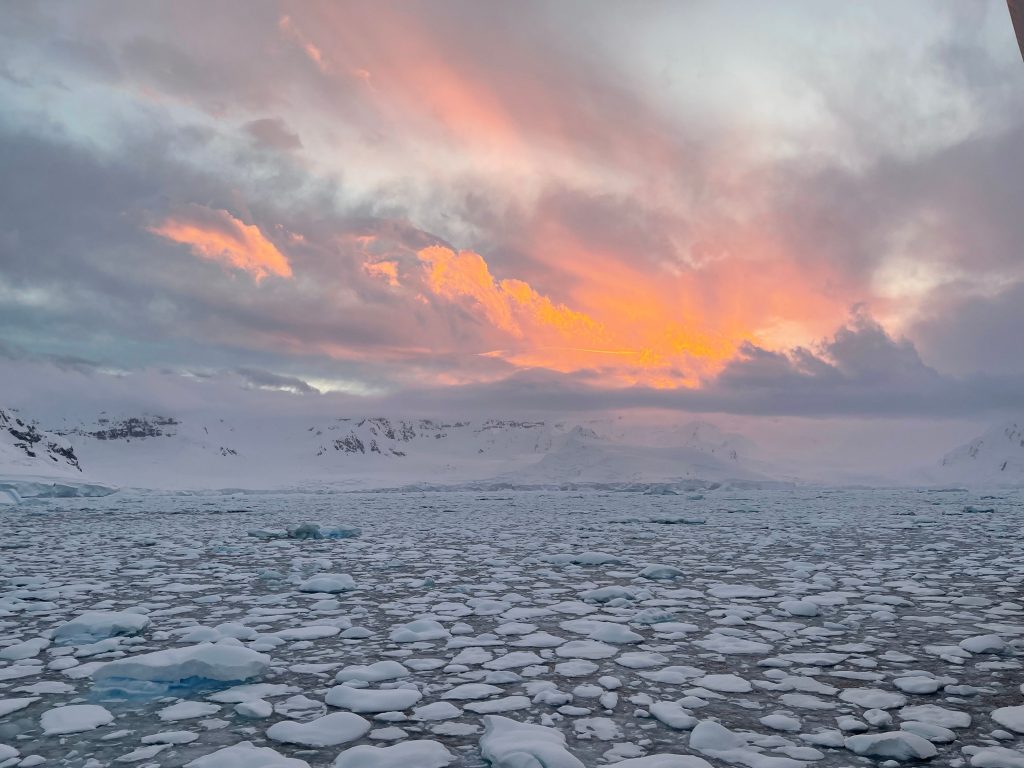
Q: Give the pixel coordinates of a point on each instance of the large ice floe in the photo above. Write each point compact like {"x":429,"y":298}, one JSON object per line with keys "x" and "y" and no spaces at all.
{"x":196,"y":664}
{"x":813,"y":628}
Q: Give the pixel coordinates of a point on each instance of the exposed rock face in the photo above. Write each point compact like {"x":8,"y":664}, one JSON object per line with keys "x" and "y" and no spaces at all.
{"x":26,"y":437}
{"x":132,"y":427}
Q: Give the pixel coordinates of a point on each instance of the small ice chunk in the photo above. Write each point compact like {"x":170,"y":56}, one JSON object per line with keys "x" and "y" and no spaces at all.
{"x":186,"y":710}
{"x":24,"y":650}
{"x":421,"y":753}
{"x":437,"y":710}
{"x":930,"y":713}
{"x":660,"y":571}
{"x":803,"y":608}
{"x":997,"y":757}
{"x":327,"y":731}
{"x":93,"y":626}
{"x":983,"y":644}
{"x":255,"y":708}
{"x":1010,"y":717}
{"x":74,"y":718}
{"x":470,"y":691}
{"x":920,"y":684}
{"x":330,"y":583}
{"x":724,"y":683}
{"x":673,"y":715}
{"x":934,"y":733}
{"x":507,"y":743}
{"x":373,"y":673}
{"x":372,"y":700}
{"x":894,"y":745}
{"x":246,"y":755}
{"x":665,"y":761}
{"x":873,"y":698}
{"x":419,"y":631}
{"x":13,"y":705}
{"x":779,"y":722}
{"x":504,"y":704}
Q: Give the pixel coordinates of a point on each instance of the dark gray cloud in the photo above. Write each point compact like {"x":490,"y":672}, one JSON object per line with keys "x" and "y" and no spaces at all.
{"x":273,"y":133}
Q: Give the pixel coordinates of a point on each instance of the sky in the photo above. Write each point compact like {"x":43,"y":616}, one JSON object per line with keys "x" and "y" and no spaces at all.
{"x":794,"y":209}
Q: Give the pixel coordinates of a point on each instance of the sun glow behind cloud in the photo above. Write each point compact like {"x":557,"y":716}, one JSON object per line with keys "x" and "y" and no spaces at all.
{"x":628,"y":327}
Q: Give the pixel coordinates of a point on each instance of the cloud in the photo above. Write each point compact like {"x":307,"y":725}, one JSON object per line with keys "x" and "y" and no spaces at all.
{"x":269,"y":380}
{"x":605,"y":208}
{"x":218,"y":236}
{"x":860,"y":355}
{"x":273,"y":133}
{"x":385,"y":270}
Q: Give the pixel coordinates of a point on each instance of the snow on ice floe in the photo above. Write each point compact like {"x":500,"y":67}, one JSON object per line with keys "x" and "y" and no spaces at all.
{"x":771,"y":639}
{"x":509,"y":743}
{"x":93,"y":626}
{"x":372,"y":700}
{"x":1010,"y":717}
{"x":207,"y":661}
{"x":329,"y":582}
{"x":418,"y":753}
{"x":373,"y":673}
{"x":894,"y":745}
{"x":327,"y":731}
{"x":74,"y":718}
{"x":246,"y":755}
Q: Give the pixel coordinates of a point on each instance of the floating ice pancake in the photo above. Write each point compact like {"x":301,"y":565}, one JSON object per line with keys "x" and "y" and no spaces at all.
{"x":373,"y":673}
{"x":418,"y":753}
{"x":1010,"y":717}
{"x":246,"y":755}
{"x":894,"y":745}
{"x":327,"y":731}
{"x":74,"y":718}
{"x":92,"y":626}
{"x":510,"y":744}
{"x":329,"y":582}
{"x":372,"y":700}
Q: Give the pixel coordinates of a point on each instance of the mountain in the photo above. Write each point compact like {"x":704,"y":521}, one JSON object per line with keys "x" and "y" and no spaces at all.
{"x":27,"y":450}
{"x":996,"y":458}
{"x":264,"y":451}
{"x":35,"y":462}
{"x":582,"y":455}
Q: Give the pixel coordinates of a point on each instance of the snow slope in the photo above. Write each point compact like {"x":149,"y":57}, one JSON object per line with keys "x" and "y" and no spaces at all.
{"x":25,"y":449}
{"x":584,"y":456}
{"x":996,"y":458}
{"x":36,"y":463}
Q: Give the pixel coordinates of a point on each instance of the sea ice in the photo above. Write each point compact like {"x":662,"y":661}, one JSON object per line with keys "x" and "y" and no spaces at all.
{"x":208,"y":661}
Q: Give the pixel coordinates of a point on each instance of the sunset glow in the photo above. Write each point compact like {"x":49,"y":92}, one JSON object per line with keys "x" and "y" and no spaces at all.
{"x":455,"y":194}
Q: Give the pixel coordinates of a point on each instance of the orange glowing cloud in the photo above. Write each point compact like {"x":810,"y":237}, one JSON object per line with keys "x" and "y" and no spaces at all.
{"x":386,"y":270}
{"x":218,"y":236}
{"x":544,"y":333}
{"x":633,"y":326}
{"x":510,"y":305}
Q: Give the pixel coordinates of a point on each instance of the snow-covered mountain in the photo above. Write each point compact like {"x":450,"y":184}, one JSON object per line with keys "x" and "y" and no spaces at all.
{"x":274,"y":451}
{"x":996,"y":458}
{"x":583,"y":455}
{"x":27,"y":450}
